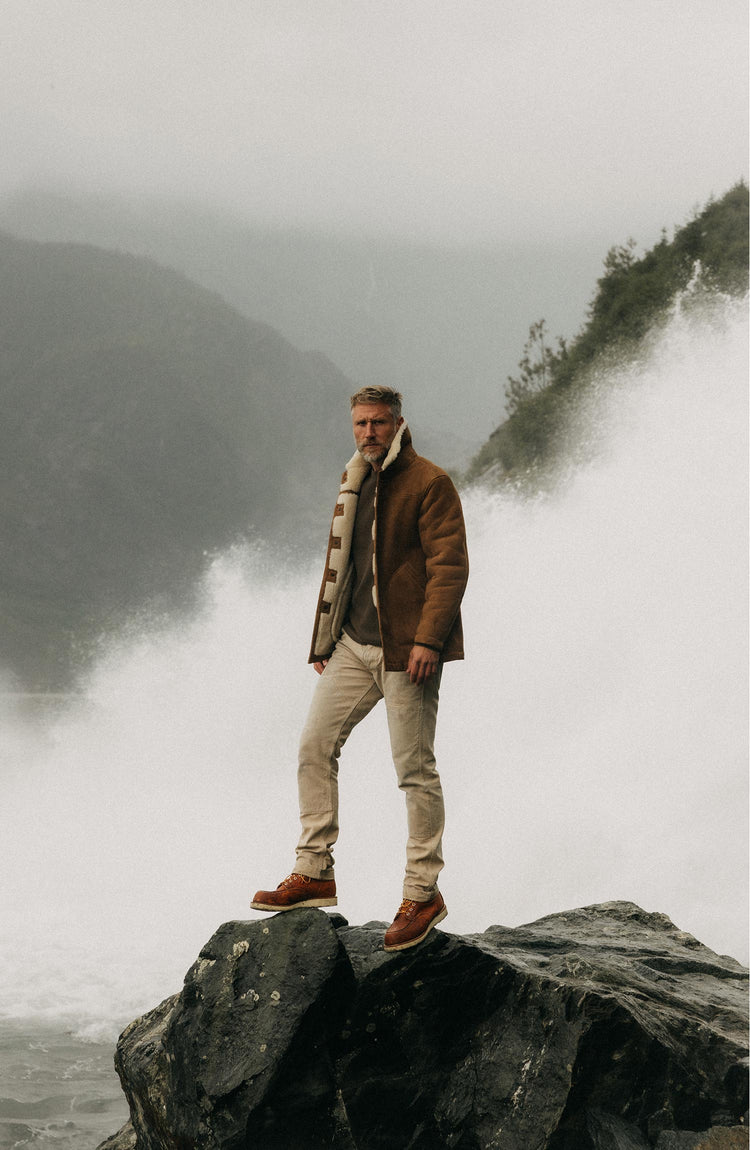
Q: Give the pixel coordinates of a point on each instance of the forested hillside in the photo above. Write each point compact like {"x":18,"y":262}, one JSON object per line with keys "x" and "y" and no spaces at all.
{"x":144,"y":424}
{"x":632,"y":296}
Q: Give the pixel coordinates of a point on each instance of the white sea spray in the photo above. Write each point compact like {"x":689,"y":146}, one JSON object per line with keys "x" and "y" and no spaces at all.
{"x":592,"y":746}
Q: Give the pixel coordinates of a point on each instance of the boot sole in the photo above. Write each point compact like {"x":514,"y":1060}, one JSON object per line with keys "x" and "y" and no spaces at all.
{"x":415,"y":941}
{"x":295,"y":905}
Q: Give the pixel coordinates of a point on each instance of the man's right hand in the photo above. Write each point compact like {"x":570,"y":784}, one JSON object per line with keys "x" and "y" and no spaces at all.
{"x":321,"y":666}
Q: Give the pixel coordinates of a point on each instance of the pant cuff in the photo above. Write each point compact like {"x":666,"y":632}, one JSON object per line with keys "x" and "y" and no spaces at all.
{"x":311,"y":869}
{"x":419,"y":894}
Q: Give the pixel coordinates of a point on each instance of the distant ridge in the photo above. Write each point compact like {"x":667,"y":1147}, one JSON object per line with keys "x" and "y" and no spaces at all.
{"x":144,"y":425}
{"x":440,"y":322}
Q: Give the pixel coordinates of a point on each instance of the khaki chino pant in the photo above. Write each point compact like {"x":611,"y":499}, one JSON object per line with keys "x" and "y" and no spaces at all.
{"x":352,"y":683}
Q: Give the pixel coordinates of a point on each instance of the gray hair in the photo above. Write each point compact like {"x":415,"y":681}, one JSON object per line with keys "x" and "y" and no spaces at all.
{"x":387,"y":395}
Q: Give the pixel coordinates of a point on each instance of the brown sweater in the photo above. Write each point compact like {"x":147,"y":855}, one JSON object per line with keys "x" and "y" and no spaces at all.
{"x":421,"y":564}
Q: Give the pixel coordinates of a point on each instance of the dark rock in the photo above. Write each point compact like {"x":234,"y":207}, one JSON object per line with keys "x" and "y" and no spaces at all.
{"x":123,"y":1140}
{"x":610,"y":1131}
{"x":605,"y":1028}
{"x":719,"y":1138}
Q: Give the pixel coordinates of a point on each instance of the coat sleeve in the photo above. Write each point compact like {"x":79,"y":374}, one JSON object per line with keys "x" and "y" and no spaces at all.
{"x":442,"y":536}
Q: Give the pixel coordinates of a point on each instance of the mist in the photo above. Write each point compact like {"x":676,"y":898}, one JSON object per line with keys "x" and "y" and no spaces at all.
{"x":592,"y":745}
{"x":480,"y":122}
{"x":529,"y":139}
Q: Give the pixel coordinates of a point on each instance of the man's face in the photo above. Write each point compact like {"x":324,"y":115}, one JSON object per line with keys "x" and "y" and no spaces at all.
{"x":374,"y":430}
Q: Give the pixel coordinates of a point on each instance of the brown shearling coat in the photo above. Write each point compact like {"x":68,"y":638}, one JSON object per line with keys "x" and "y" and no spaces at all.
{"x":420,"y":558}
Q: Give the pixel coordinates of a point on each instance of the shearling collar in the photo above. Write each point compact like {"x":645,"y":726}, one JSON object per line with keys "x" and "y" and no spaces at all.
{"x":401,"y":439}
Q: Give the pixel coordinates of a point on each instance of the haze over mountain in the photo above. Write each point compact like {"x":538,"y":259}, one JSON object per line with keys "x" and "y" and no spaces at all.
{"x":487,"y":121}
{"x":531,"y":138}
{"x":442,"y":322}
{"x":141,"y":430}
{"x":148,"y":424}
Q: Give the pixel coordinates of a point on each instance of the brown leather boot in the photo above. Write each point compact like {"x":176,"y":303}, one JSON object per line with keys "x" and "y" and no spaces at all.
{"x":413,"y":922}
{"x":296,"y":890}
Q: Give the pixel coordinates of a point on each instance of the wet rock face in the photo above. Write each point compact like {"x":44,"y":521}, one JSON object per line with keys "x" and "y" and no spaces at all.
{"x":604,"y":1028}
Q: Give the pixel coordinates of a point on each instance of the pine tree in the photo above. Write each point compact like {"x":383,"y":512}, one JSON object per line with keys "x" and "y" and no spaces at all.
{"x":537,"y":365}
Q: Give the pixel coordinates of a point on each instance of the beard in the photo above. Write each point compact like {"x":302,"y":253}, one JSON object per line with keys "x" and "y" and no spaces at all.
{"x":372,"y":453}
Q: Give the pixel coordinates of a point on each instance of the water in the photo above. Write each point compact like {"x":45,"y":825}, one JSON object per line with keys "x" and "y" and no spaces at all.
{"x":592,"y":746}
{"x":57,"y":1090}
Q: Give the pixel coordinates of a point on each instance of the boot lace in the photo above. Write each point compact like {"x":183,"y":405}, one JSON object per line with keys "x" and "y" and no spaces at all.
{"x":294,"y":879}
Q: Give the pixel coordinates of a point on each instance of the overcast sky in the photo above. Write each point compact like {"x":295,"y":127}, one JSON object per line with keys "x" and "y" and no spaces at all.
{"x":462,"y":120}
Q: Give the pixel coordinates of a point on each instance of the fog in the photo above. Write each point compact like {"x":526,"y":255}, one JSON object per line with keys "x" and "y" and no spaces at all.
{"x":541,"y":134}
{"x":486,"y":121}
{"x":592,"y":745}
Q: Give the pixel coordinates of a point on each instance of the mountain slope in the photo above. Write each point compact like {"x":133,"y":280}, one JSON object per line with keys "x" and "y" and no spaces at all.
{"x":631,"y":297}
{"x":141,"y":426}
{"x":441,"y":323}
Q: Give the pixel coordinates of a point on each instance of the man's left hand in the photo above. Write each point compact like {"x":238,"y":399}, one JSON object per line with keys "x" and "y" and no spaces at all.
{"x":423,"y":664}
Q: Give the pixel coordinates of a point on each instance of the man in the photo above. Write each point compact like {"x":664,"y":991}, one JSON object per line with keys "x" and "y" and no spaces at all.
{"x":388,"y":618}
